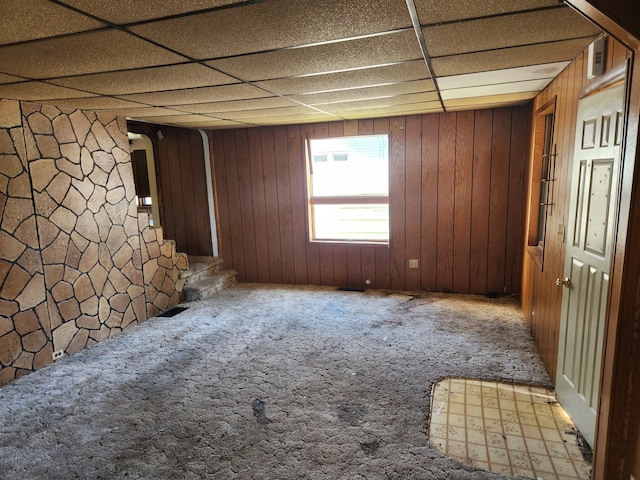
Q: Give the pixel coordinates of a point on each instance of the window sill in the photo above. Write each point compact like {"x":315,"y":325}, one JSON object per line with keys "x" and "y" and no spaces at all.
{"x":351,"y":243}
{"x":536,"y":254}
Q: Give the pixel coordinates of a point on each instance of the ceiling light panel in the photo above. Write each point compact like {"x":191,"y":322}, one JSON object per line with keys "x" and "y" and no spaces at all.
{"x":505,"y":31}
{"x":380,"y":102}
{"x":197,"y":95}
{"x":401,"y":72}
{"x":490,"y":101}
{"x":126,"y":11}
{"x":489,"y":90}
{"x":543,"y":53}
{"x":532,"y":72}
{"x":33,"y":19}
{"x":83,"y":53}
{"x":331,"y":57}
{"x":147,"y":80}
{"x":275,"y":24}
{"x":438,"y":11}
{"x":410,"y":109}
{"x":37,"y":91}
{"x":416,"y":86}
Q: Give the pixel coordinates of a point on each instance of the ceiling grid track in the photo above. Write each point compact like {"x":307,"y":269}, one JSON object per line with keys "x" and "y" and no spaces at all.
{"x":244,"y":63}
{"x":423,"y":48}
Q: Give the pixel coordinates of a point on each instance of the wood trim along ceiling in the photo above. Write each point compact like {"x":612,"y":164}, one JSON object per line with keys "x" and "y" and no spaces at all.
{"x":233,"y":63}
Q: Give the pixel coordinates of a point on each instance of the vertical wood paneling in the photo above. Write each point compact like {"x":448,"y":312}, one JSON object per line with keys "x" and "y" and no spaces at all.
{"x":259,"y":205}
{"x":368,"y":257}
{"x":354,"y":267}
{"x":339,"y":265}
{"x":478,"y":255}
{"x":444,"y":169}
{"x":163,"y":175}
{"x":183,"y":201}
{"x":413,"y":200}
{"x":284,"y":204}
{"x":233,"y":192}
{"x":516,"y":203}
{"x":186,"y":187}
{"x":271,"y":205}
{"x":462,"y":208}
{"x":326,"y":264}
{"x":298,"y":214}
{"x":199,"y":187}
{"x":175,"y":180}
{"x":446,"y":201}
{"x":429,"y":223}
{"x":246,"y":205}
{"x":498,"y":199}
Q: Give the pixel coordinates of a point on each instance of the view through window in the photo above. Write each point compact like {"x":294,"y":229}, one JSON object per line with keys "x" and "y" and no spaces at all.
{"x":348,"y":185}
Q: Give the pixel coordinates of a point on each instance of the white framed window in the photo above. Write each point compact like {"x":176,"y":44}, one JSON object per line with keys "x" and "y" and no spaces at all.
{"x":348,"y":189}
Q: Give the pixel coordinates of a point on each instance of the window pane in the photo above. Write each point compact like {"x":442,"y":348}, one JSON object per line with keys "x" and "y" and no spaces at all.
{"x":354,"y":166}
{"x":351,"y":222}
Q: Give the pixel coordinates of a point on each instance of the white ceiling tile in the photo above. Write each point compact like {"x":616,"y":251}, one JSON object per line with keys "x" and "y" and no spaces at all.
{"x":498,"y":89}
{"x":532,"y":72}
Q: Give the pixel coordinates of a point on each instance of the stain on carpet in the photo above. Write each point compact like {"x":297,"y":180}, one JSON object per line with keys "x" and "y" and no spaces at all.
{"x":370,"y":448}
{"x":351,"y":413}
{"x":259,"y":408}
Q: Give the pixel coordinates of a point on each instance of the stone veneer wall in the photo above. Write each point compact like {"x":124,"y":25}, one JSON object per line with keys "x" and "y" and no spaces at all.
{"x":162,"y":267}
{"x":71,"y":262}
{"x":25,"y":330}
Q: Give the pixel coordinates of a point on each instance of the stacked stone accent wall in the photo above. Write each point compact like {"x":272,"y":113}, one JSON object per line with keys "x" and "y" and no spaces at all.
{"x":25,"y":330}
{"x":71,"y":262}
{"x":162,"y":267}
{"x":84,"y":197}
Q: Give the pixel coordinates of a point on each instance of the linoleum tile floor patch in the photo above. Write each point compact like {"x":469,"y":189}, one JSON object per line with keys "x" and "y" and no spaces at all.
{"x":516,"y":430}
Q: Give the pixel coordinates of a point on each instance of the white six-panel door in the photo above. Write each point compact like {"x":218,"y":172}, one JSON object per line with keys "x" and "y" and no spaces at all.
{"x":588,"y":255}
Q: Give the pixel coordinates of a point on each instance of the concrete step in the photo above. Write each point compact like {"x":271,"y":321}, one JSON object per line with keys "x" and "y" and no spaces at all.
{"x":208,"y":286}
{"x":201,"y":267}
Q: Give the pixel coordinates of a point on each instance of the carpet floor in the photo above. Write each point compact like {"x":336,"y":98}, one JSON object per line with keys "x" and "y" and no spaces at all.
{"x":265,"y":382}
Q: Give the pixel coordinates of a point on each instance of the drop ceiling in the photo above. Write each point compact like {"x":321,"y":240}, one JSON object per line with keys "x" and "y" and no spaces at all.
{"x":230,"y":63}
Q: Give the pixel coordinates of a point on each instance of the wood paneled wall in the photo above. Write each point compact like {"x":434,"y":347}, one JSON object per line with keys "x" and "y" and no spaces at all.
{"x":541,"y":299}
{"x":182,"y":187}
{"x":456,"y":204}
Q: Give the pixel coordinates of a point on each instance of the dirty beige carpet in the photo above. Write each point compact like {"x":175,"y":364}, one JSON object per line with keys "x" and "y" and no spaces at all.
{"x":264,"y":382}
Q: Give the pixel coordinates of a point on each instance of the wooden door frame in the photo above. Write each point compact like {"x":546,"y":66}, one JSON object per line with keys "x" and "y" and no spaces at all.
{"x":621,"y":349}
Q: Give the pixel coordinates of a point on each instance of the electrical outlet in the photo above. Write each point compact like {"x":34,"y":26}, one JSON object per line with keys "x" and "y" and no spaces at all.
{"x":57,"y":355}
{"x":367,"y":281}
{"x":413,"y":263}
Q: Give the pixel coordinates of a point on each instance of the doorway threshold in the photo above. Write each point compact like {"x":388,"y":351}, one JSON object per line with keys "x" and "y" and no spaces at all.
{"x":515,"y":430}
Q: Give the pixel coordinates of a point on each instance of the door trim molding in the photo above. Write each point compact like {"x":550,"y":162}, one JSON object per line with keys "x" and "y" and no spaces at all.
{"x":616,"y":382}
